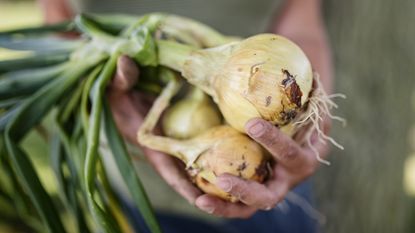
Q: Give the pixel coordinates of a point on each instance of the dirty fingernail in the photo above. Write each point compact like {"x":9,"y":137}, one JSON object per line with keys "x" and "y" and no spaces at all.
{"x":207,"y":208}
{"x":268,"y":208}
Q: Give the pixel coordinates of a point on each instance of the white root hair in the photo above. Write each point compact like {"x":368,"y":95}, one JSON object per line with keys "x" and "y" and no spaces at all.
{"x":319,"y":105}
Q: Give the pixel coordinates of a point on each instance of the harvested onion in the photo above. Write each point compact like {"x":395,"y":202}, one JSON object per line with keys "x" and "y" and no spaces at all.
{"x":265,"y":76}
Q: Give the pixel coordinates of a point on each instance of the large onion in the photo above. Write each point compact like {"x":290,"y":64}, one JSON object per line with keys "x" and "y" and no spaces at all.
{"x":265,"y":76}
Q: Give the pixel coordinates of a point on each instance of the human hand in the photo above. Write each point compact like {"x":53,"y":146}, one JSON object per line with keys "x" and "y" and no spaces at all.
{"x":129,"y":108}
{"x":294,"y":163}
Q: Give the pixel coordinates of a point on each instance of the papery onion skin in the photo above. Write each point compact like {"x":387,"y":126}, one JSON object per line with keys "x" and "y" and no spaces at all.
{"x":266,"y":76}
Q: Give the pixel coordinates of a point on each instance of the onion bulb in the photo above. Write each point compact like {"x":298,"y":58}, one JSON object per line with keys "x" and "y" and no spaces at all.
{"x":218,"y":150}
{"x":190,"y":116}
{"x":265,"y":76}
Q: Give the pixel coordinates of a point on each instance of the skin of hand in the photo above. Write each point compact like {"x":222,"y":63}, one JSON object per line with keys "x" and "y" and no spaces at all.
{"x":129,"y":108}
{"x":301,"y":22}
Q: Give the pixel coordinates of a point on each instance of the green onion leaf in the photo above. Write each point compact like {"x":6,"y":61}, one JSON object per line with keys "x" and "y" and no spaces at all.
{"x":126,"y":168}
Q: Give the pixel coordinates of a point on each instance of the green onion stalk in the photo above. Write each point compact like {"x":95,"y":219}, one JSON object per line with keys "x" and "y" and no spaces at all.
{"x":67,"y":79}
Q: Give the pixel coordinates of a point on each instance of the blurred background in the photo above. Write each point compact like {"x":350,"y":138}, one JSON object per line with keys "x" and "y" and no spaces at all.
{"x":364,"y":190}
{"x":370,"y":186}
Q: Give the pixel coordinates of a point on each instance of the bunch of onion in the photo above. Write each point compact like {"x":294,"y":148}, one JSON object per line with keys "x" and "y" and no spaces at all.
{"x":266,"y":76}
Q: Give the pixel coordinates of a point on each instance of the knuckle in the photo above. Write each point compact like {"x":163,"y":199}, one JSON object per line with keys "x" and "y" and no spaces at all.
{"x":270,"y":138}
{"x":290,"y":153}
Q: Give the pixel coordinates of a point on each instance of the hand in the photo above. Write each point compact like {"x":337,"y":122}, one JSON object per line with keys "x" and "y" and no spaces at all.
{"x":129,"y":108}
{"x":294,"y":163}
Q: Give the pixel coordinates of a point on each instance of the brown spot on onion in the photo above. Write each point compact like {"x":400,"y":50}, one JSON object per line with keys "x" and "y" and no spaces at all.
{"x":204,"y":181}
{"x":262,"y":170}
{"x":291,"y":88}
{"x":289,"y":115}
{"x":241,"y":167}
{"x":268,"y":101}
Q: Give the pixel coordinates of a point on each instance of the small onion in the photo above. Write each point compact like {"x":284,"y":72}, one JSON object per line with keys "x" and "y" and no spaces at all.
{"x":232,"y":153}
{"x":190,"y":116}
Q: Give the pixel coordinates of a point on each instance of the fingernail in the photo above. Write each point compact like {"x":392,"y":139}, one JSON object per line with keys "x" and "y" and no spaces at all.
{"x":225,"y":184}
{"x":268,"y":208}
{"x":208,"y":209}
{"x":256,"y":129}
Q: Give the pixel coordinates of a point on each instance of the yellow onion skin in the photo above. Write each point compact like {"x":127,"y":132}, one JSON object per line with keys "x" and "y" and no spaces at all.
{"x":190,"y":116}
{"x":232,"y":152}
{"x":266,"y":76}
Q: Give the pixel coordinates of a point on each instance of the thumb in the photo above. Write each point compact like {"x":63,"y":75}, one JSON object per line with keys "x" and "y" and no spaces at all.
{"x":126,"y":74}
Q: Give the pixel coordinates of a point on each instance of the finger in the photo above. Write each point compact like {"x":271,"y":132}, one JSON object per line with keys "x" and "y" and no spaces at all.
{"x":281,"y":181}
{"x":127,"y":114}
{"x":218,"y":207}
{"x":317,"y":149}
{"x":281,"y":146}
{"x":250,"y":193}
{"x":126,"y":74}
{"x":175,"y":177}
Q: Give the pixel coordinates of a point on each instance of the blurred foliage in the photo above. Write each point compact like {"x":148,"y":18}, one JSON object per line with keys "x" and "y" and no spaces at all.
{"x":17,"y":13}
{"x":362,"y":191}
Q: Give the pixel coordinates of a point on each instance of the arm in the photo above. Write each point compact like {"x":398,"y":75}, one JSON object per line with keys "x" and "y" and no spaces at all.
{"x":55,"y":11}
{"x":300,"y":21}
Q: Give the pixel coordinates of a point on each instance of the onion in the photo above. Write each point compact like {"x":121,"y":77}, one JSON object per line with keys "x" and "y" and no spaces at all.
{"x":209,"y":154}
{"x":190,"y":116}
{"x":265,"y":76}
